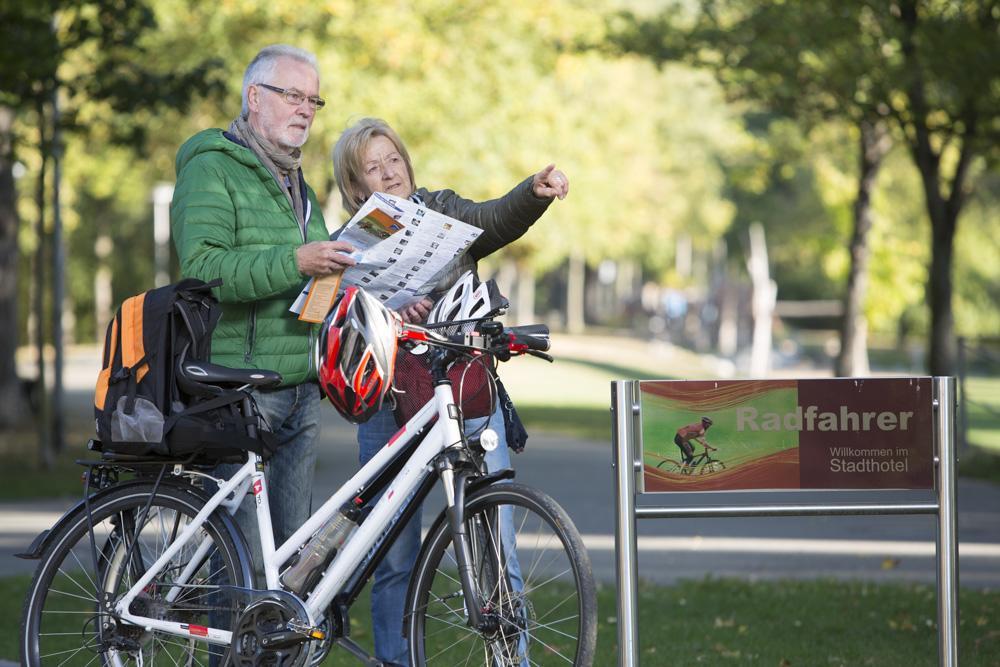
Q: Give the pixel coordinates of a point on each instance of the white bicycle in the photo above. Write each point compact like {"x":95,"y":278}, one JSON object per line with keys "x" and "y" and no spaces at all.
{"x":153,"y":569}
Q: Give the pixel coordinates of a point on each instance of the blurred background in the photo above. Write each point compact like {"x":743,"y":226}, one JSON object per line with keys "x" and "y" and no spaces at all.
{"x":757,"y":187}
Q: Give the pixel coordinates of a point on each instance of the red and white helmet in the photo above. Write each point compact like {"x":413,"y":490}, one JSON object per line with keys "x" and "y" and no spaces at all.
{"x":357,"y":354}
{"x":467,"y":299}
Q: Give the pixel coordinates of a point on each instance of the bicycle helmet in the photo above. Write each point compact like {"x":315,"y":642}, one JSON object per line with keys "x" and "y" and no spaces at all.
{"x":357,"y":354}
{"x":706,"y":421}
{"x":467,"y":299}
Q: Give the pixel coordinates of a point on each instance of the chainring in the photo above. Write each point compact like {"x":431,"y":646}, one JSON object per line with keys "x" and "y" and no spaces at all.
{"x":260,"y":618}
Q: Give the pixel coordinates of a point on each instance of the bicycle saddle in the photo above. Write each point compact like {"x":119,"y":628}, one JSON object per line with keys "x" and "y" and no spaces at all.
{"x":204,"y":372}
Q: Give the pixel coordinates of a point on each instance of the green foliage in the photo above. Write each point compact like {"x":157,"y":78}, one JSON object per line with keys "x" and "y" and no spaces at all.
{"x":486,"y":95}
{"x":929,"y":67}
{"x":94,"y":51}
{"x":479,"y":110}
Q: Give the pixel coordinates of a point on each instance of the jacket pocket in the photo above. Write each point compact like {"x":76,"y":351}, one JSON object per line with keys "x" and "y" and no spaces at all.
{"x":251,"y":338}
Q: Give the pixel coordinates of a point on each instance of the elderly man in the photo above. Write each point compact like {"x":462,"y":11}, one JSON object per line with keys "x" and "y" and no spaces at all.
{"x":242,"y":212}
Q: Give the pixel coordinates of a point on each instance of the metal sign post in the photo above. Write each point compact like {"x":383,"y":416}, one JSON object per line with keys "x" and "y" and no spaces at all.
{"x":626,"y":415}
{"x":947,"y":524}
{"x":628,"y":463}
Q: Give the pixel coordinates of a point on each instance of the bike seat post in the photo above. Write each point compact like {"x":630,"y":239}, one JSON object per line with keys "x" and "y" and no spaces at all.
{"x":247,"y":408}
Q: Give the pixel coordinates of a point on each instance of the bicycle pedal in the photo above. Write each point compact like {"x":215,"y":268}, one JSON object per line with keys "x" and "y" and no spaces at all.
{"x":289,"y":638}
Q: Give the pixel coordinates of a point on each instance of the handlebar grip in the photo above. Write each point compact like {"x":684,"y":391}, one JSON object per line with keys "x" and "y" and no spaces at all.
{"x":532,"y":336}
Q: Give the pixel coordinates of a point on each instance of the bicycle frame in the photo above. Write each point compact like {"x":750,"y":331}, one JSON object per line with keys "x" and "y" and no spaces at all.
{"x":444,"y":434}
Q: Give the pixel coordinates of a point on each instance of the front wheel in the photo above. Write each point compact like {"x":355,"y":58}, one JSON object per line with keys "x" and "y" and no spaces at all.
{"x":535,"y":587}
{"x":712,"y":466}
{"x":93,"y":561}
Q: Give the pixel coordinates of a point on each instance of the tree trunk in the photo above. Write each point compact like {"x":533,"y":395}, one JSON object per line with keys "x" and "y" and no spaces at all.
{"x":943,"y":212}
{"x":11,"y":396}
{"x":525,"y":294}
{"x":939,"y":293}
{"x":763,"y":301}
{"x":43,"y":422}
{"x":575,"y":284}
{"x":853,"y":357}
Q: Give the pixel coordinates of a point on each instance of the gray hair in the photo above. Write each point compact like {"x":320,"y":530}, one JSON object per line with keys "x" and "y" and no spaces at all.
{"x":263,"y":64}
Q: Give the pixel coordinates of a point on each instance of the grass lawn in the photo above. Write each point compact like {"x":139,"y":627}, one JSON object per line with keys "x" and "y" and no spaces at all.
{"x":724,"y":621}
{"x":983,"y":411}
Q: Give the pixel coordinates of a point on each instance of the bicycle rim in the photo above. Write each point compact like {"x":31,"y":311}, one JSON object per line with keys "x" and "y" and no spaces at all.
{"x":537,"y":588}
{"x":65,"y":622}
{"x":712,"y":467}
{"x":670,"y":466}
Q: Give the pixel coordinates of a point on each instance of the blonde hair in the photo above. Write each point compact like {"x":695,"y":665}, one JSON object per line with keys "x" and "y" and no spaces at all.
{"x":348,"y":156}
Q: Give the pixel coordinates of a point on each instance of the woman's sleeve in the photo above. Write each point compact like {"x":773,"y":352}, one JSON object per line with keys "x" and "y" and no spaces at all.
{"x":503,"y":220}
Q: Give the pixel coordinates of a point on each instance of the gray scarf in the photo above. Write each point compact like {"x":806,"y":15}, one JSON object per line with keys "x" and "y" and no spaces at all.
{"x":284,"y":166}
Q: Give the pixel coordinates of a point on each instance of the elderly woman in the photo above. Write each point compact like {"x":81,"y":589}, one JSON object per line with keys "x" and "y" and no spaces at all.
{"x":370,"y":157}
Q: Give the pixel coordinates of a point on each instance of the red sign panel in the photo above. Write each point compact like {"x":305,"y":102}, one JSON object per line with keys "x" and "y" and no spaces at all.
{"x":873,"y":433}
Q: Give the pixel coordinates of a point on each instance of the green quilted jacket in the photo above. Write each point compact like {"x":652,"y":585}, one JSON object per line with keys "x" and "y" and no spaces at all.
{"x":230,"y":220}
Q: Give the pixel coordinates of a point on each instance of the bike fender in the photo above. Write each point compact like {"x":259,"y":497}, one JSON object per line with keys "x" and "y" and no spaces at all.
{"x":41,"y":541}
{"x":488,"y":479}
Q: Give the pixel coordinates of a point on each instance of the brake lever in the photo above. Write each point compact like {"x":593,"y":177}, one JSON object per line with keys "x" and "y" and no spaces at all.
{"x":541,"y":355}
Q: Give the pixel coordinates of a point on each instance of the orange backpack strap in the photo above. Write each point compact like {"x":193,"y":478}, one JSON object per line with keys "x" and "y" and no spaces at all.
{"x":133,"y":350}
{"x":134,"y":366}
{"x":101,"y":391}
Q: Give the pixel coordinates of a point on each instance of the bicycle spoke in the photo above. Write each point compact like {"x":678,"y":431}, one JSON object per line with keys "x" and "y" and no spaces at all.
{"x":65,"y":607}
{"x":529,"y":584}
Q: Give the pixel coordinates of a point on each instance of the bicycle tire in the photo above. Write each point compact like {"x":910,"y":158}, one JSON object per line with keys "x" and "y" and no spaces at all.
{"x":671,"y":466}
{"x":711,"y":466}
{"x":62,"y":613}
{"x":552,"y":619}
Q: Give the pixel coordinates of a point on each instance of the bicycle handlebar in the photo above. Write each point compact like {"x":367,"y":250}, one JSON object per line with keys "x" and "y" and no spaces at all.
{"x":531,"y":336}
{"x":491,"y":338}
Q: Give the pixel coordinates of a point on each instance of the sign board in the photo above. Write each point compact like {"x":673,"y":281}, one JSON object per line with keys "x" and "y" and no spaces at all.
{"x":873,"y":433}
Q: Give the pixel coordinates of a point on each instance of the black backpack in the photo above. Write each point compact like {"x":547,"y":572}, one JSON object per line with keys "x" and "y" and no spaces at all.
{"x":139,"y":405}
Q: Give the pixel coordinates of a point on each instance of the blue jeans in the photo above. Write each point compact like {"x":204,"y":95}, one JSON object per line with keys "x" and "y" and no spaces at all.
{"x":293,"y":413}
{"x":393,"y":574}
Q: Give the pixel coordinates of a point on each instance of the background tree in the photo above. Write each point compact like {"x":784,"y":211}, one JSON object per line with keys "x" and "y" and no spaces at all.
{"x":91,"y":54}
{"x":944,"y":92}
{"x":929,"y":66}
{"x":660,"y":158}
{"x":807,"y":61}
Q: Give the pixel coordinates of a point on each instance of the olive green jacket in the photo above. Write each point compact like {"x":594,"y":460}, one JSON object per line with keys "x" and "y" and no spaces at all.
{"x":230,"y":220}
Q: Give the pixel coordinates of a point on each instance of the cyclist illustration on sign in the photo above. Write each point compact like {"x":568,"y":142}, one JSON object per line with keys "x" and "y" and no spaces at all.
{"x":696,"y":431}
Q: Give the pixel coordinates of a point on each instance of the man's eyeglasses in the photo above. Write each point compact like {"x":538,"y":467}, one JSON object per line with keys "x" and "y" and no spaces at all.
{"x":294,"y":97}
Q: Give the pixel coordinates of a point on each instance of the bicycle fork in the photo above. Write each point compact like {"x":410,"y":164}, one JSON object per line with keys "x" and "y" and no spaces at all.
{"x":454,"y":489}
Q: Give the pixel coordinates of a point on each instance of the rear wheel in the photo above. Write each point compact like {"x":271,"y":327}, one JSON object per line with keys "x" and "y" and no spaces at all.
{"x":67,"y":619}
{"x":671,"y":466}
{"x":535,"y":587}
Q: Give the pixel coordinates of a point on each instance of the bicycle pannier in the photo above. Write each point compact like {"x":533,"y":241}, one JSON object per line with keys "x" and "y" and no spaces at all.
{"x":138,"y":405}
